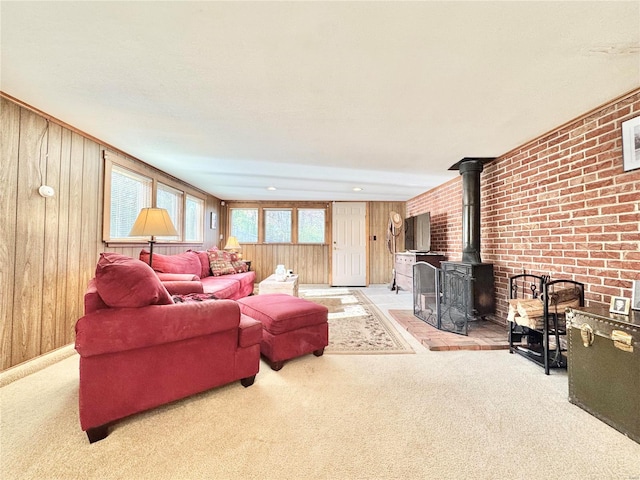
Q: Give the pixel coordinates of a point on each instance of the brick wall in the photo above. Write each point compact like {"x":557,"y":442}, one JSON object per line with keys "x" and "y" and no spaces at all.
{"x":560,"y":205}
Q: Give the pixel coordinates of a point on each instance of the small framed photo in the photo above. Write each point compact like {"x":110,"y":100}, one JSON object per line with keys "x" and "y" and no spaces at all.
{"x":635,"y":295}
{"x":631,"y":143}
{"x":619,"y":305}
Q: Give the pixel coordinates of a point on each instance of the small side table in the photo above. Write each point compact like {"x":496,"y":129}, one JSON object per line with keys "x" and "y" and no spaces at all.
{"x":271,"y":285}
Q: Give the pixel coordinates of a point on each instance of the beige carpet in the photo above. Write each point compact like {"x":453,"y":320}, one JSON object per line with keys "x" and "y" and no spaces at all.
{"x":356,"y":325}
{"x":454,"y":415}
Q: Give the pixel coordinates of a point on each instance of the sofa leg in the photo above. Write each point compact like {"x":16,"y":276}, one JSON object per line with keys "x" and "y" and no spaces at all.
{"x":247,"y":382}
{"x":276,"y":365}
{"x":97,"y":433}
{"x":319,"y":352}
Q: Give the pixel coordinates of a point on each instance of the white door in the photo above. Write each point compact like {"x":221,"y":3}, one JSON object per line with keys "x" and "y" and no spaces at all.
{"x":349,"y":254}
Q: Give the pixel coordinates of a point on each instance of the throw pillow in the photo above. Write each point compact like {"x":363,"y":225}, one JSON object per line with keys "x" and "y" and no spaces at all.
{"x":123,"y":281}
{"x":220,"y":262}
{"x":238,"y":265}
{"x":187,"y":262}
{"x":205,"y":268}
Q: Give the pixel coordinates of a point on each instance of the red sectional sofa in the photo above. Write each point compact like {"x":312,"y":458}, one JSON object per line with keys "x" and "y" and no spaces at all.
{"x":229,"y":279}
{"x":138,"y":349}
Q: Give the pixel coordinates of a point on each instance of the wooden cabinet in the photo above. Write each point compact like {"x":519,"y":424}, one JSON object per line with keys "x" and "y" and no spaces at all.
{"x":404,"y":263}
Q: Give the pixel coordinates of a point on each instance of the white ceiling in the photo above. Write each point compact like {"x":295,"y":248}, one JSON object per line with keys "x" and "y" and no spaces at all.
{"x":315,"y":98}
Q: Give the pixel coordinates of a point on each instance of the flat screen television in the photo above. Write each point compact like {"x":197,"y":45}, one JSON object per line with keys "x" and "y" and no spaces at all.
{"x":417,"y":233}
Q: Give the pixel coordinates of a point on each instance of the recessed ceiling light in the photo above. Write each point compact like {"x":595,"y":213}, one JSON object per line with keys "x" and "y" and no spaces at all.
{"x":357,"y":189}
{"x":271,"y":188}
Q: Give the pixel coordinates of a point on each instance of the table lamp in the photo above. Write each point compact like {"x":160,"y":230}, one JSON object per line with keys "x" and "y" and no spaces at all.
{"x":152,"y":222}
{"x":233,"y":246}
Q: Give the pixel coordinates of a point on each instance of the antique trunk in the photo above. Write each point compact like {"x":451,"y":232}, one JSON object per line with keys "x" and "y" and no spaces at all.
{"x":604,"y":366}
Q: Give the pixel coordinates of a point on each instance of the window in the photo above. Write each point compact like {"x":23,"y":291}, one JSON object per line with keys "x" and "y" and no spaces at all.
{"x":311,"y":225}
{"x":277,"y":225}
{"x":130,"y":192}
{"x":278,"y":222}
{"x":194,"y":219}
{"x":170,"y":199}
{"x":129,"y":187}
{"x":244,"y":224}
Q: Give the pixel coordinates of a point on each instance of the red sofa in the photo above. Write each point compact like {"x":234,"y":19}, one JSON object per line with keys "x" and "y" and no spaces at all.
{"x":138,"y":349}
{"x":230,"y":278}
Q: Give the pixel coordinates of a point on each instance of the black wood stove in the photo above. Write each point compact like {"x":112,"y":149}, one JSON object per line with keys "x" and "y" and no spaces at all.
{"x":466,"y":288}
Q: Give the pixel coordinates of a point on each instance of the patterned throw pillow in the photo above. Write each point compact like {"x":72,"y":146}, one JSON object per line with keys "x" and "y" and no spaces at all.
{"x":220,"y":262}
{"x":238,"y":265}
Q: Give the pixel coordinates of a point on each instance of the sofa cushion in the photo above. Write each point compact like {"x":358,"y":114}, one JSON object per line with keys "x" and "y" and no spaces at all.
{"x":187,"y":262}
{"x":220,"y":262}
{"x":205,"y":267}
{"x":123,"y":281}
{"x":224,"y":286}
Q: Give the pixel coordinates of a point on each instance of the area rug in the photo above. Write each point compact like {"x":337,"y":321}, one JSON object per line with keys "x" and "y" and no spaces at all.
{"x":356,"y":325}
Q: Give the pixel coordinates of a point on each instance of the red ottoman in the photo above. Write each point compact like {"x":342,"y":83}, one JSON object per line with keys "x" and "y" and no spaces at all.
{"x":291,"y":326}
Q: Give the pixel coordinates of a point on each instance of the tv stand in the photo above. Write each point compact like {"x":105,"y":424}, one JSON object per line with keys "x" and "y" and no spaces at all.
{"x":403,"y":267}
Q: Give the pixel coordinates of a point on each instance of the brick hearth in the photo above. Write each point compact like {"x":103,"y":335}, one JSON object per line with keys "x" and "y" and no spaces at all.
{"x":483,"y":335}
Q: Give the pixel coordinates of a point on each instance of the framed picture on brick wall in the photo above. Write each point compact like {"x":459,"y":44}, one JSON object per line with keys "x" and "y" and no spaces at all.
{"x":631,"y":143}
{"x":619,"y":305}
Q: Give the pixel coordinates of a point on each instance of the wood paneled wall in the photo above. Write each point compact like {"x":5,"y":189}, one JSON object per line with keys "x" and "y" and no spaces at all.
{"x":310,"y":262}
{"x":49,"y":246}
{"x":313,"y":262}
{"x":380,"y":259}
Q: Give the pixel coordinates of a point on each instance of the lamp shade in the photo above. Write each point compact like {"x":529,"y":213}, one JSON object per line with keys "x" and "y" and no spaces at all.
{"x":153,"y":222}
{"x":232,"y":244}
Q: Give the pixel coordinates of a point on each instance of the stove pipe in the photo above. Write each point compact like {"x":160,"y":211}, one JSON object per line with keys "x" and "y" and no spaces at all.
{"x":470,"y":169}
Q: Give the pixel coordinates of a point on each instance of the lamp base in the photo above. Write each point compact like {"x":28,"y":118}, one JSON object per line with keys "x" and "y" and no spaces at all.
{"x":151,"y":242}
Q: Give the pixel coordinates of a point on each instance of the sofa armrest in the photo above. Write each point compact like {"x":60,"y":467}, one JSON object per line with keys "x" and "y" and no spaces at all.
{"x":183,"y":288}
{"x":177,"y":277}
{"x":119,"y":329}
